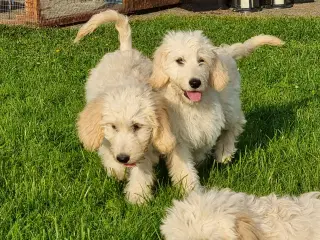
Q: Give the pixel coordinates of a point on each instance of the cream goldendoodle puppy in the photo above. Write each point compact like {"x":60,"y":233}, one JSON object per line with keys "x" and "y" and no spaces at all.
{"x":124,"y":119}
{"x":224,"y":214}
{"x":201,"y":84}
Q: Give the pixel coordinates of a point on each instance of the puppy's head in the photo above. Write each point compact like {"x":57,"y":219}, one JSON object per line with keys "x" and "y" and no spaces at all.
{"x":187,"y":62}
{"x":210,"y":216}
{"x":130,"y":118}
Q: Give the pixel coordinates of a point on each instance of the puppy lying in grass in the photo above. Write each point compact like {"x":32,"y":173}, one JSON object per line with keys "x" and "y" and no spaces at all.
{"x":124,"y":119}
{"x":223,"y":214}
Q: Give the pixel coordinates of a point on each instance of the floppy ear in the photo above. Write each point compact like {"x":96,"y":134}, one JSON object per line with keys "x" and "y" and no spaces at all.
{"x":89,"y":125}
{"x":162,"y":137}
{"x":246,"y":228}
{"x":158,"y":78}
{"x":219,"y":74}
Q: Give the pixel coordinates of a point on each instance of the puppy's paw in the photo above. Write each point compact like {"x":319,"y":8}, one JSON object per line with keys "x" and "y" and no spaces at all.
{"x":138,"y":197}
{"x":187,"y":185}
{"x":119,"y":173}
{"x":225,"y":159}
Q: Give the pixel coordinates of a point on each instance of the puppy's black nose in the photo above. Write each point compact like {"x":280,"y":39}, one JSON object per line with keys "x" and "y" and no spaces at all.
{"x":123,"y":158}
{"x":195,"y":83}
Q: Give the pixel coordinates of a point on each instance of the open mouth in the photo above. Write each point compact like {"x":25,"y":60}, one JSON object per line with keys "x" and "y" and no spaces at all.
{"x":129,"y":165}
{"x":193,"y":96}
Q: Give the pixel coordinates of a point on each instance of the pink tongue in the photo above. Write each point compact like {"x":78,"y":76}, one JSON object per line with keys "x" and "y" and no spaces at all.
{"x":130,"y":165}
{"x":194,"y":96}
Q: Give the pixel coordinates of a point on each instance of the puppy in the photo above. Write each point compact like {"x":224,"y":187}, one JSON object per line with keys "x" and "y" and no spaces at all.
{"x":123,"y":118}
{"x":202,"y":86}
{"x":229,"y":215}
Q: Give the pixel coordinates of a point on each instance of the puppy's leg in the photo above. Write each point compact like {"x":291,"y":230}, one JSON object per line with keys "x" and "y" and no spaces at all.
{"x":113,"y":168}
{"x":225,"y":147}
{"x":139,"y":187}
{"x":181,"y":169}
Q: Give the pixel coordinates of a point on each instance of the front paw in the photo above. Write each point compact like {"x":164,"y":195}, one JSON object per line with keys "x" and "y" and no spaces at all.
{"x":187,"y":185}
{"x":224,"y":158}
{"x":138,"y":196}
{"x":119,"y":174}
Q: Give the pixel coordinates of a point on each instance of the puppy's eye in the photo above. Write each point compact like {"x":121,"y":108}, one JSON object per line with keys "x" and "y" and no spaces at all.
{"x":114,"y":127}
{"x":180,"y":61}
{"x":136,"y":127}
{"x":201,"y":60}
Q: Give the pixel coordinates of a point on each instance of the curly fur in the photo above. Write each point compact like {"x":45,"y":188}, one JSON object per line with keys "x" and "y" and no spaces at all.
{"x":209,"y":115}
{"x":123,"y":116}
{"x":224,"y":214}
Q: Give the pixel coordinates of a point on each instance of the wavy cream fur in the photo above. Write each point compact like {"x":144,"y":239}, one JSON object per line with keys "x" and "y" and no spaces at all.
{"x":217,"y":120}
{"x":223,"y":214}
{"x":240,"y":50}
{"x":123,"y":114}
{"x":122,"y":25}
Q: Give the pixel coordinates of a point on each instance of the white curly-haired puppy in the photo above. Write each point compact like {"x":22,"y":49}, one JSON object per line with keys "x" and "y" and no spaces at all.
{"x":123,"y":117}
{"x":201,"y":84}
{"x":217,"y":215}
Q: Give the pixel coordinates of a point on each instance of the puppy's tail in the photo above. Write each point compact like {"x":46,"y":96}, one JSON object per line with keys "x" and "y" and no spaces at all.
{"x":240,"y":50}
{"x":122,"y":25}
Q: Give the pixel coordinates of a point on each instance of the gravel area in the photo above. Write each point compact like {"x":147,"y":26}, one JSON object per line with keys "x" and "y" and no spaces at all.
{"x":57,"y":8}
{"x":311,"y":9}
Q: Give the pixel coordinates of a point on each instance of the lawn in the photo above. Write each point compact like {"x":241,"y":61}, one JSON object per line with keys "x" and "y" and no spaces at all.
{"x":51,"y":188}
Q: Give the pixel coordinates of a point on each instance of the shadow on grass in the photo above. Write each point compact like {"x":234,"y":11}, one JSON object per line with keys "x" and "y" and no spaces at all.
{"x":268,"y":122}
{"x":162,"y":174}
{"x":263,"y":124}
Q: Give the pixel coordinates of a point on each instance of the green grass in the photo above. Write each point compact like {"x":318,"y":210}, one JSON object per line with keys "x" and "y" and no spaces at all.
{"x":51,"y":188}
